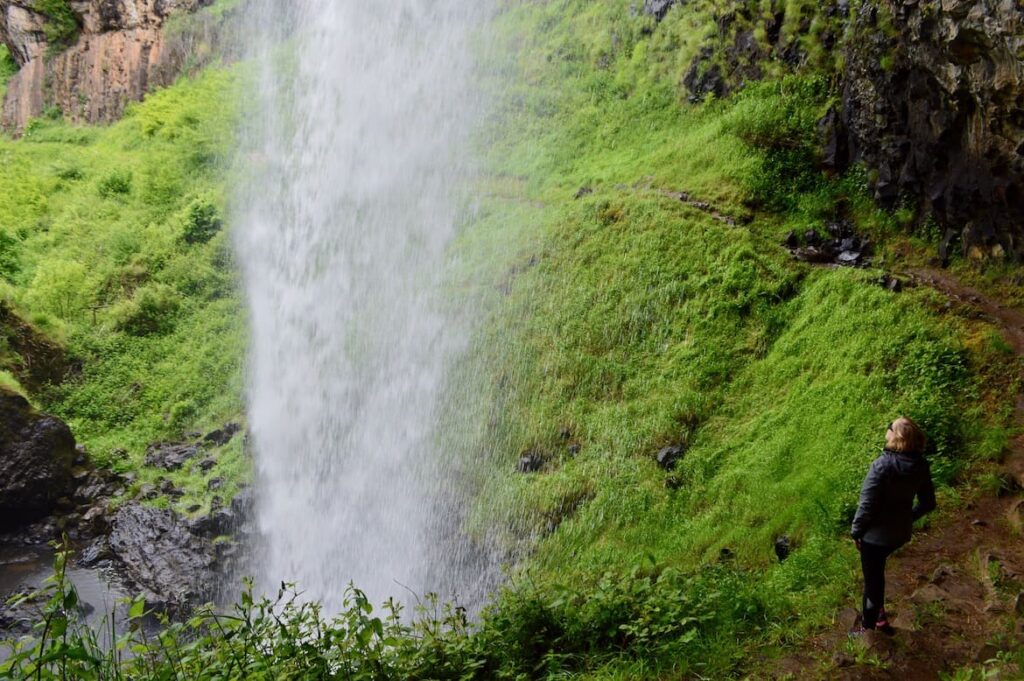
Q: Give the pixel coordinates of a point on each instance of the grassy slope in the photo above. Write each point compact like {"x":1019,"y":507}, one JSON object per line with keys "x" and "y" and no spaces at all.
{"x":641,"y":322}
{"x":96,"y":219}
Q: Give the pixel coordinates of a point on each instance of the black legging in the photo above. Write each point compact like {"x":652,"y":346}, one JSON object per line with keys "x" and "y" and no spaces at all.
{"x":872,"y":561}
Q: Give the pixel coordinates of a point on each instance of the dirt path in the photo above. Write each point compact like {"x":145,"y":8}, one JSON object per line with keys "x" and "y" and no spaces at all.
{"x":957,"y":591}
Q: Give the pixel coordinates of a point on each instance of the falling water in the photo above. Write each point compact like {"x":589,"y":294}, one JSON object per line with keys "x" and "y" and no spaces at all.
{"x":356,"y":158}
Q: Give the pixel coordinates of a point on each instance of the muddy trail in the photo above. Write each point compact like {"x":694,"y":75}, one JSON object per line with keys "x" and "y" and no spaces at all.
{"x":955,"y":594}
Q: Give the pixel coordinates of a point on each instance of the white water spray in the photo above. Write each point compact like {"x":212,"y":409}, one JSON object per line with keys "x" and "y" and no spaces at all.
{"x":357,"y":149}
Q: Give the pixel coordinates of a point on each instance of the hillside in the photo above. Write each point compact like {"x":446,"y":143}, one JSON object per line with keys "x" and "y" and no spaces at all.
{"x":657,"y":246}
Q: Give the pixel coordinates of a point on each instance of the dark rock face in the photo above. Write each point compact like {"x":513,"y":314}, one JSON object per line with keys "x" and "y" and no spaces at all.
{"x":933,"y":107}
{"x":36,"y":452}
{"x":162,"y":556}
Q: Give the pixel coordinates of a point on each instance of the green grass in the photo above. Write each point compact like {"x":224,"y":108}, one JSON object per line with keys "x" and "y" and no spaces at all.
{"x":107,"y":255}
{"x":626,"y":321}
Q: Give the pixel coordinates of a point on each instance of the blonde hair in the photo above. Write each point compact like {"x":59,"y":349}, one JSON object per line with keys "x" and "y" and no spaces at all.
{"x":904,"y":436}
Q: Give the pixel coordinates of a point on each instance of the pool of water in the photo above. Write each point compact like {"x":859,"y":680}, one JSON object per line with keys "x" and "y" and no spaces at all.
{"x":101,"y":595}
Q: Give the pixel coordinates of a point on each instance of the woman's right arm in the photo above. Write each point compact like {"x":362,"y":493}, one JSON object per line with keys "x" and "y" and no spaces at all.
{"x":925,"y":495}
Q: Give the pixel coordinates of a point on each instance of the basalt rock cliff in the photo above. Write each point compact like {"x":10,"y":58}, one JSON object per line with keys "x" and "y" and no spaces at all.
{"x":119,"y":54}
{"x":933,"y":106}
{"x":930,"y":101}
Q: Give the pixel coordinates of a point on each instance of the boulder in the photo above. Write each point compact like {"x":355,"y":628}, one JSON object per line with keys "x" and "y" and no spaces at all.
{"x":668,"y":457}
{"x":783,"y":547}
{"x":222,"y":436}
{"x":530,"y":462}
{"x":36,"y":451}
{"x":170,"y":455}
{"x":659,"y":8}
{"x":159,"y":554}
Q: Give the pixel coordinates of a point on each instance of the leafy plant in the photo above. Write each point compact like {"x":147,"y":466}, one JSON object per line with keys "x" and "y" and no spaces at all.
{"x":61,"y":27}
{"x":116,"y":183}
{"x":151,"y":310}
{"x":201,"y":221}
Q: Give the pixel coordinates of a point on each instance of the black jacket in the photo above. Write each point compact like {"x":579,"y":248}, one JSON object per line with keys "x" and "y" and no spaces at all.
{"x":886,"y":513}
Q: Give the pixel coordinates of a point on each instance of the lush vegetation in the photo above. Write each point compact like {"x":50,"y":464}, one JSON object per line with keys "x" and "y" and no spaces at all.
{"x":7,"y":69}
{"x":113,"y":245}
{"x":61,"y":27}
{"x":622,"y":319}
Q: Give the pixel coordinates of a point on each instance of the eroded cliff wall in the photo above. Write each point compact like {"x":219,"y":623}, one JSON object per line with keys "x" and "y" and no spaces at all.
{"x":119,"y":54}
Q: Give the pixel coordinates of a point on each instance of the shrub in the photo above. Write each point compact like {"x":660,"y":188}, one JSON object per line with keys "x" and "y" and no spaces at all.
{"x":201,"y":221}
{"x":9,"y":264}
{"x":151,"y":310}
{"x":117,"y":183}
{"x":60,"y":288}
{"x":61,"y":27}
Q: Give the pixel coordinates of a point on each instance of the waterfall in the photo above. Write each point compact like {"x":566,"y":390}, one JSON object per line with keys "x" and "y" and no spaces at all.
{"x":356,"y":153}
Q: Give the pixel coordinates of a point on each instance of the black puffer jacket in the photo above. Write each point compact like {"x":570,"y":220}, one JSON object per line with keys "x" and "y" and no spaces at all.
{"x":886,"y":512}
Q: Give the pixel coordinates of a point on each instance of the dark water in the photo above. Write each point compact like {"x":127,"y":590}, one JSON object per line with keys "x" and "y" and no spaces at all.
{"x":100,"y":594}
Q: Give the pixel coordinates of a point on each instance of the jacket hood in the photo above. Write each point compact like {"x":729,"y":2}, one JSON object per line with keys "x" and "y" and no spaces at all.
{"x":905,"y":462}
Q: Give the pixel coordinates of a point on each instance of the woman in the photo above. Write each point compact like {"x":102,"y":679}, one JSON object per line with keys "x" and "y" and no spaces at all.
{"x":886,"y":512}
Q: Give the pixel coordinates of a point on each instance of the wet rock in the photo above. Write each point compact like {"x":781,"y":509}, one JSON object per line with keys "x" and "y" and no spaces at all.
{"x":668,"y":457}
{"x":782,"y":547}
{"x":244,"y":502}
{"x":167,"y":488}
{"x":95,"y":519}
{"x":582,"y":191}
{"x":659,"y":8}
{"x":531,"y":462}
{"x":673,"y":481}
{"x":216,"y":523}
{"x":791,"y":241}
{"x":215,"y":483}
{"x":207,"y":464}
{"x":160,"y":554}
{"x":19,"y":619}
{"x":814,"y":255}
{"x":890,"y":283}
{"x":574,"y":449}
{"x":849,"y":258}
{"x":222,"y":436}
{"x":704,"y":77}
{"x":36,"y":452}
{"x":932,"y":109}
{"x":170,"y":456}
{"x":95,"y":553}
